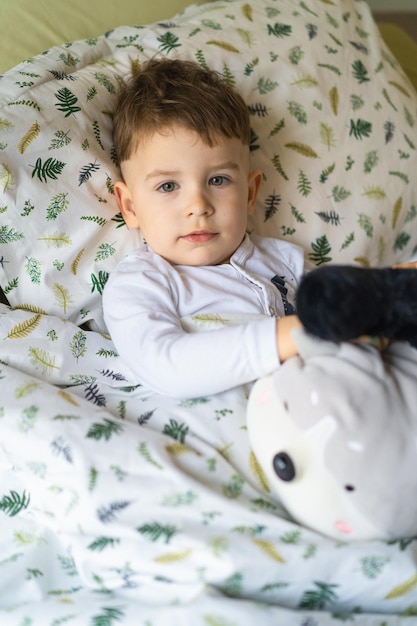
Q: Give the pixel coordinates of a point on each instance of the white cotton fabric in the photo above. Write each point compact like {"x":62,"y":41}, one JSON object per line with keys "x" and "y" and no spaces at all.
{"x":146,"y":298}
{"x":334,"y":131}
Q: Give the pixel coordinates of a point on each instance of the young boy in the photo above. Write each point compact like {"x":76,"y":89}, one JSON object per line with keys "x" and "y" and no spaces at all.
{"x":182,"y":138}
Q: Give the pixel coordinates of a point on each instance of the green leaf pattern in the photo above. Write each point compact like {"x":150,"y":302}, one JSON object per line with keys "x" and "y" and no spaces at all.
{"x":332,"y":115}
{"x":132,"y":483}
{"x":124,"y":508}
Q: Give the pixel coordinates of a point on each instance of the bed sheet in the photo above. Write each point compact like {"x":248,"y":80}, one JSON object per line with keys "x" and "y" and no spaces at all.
{"x":119,"y":507}
{"x":122,"y":507}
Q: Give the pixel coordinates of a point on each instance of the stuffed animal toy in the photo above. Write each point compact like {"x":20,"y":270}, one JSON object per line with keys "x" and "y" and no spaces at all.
{"x":335,"y":431}
{"x":341,"y":302}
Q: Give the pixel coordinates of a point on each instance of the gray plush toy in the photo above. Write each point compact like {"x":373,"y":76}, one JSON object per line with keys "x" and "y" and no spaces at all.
{"x":335,"y":431}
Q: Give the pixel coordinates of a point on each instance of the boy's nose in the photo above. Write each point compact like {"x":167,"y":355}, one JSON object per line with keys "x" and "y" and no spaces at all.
{"x":199,"y":204}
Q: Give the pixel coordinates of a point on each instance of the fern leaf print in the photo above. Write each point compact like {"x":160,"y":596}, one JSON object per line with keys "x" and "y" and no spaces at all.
{"x":360,"y":72}
{"x":271,"y":206}
{"x":340,"y":193}
{"x":397,"y":208}
{"x":62,"y":297}
{"x":173,"y":557}
{"x":56,"y":240}
{"x":101,"y":543}
{"x":276,"y":160}
{"x":321,"y":250}
{"x":147,"y":456}
{"x":258,"y":473}
{"x":247,"y":12}
{"x":105,"y":250}
{"x":78,"y":345}
{"x":269,"y":549}
{"x":327,"y":172}
{"x":302,"y":149}
{"x":9,"y":235}
{"x":60,"y":140}
{"x":305,"y":81}
{"x":42,"y":360}
{"x":297,"y":215}
{"x":266,"y":85}
{"x":403,"y":588}
{"x":327,"y":135}
{"x":319,"y":598}
{"x":105,"y":82}
{"x":108,"y":616}
{"x":155,"y":531}
{"x":97,"y":133}
{"x":223,"y":45}
{"x":14,"y":503}
{"x":365,"y":223}
{"x":176,"y":430}
{"x":87,"y":171}
{"x":168,"y":42}
{"x":33,"y":269}
{"x":329,"y":217}
{"x":67,"y":102}
{"x":23,"y":329}
{"x":280,"y":30}
{"x":74,"y":264}
{"x":6,"y":178}
{"x":51,"y":168}
{"x":98,"y":282}
{"x":371,"y":161}
{"x":360,"y":129}
{"x":334,"y":100}
{"x":29,"y":137}
{"x":298,"y":111}
{"x":108,"y":514}
{"x":104,"y":430}
{"x":304,"y":185}
{"x":376,"y":193}
{"x":58,"y":204}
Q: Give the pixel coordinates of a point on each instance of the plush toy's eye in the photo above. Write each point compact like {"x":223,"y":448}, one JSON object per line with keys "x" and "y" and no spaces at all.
{"x":283,"y":466}
{"x":349,"y":488}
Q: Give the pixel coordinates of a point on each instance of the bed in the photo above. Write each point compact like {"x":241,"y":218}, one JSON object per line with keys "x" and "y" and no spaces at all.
{"x":119,"y":507}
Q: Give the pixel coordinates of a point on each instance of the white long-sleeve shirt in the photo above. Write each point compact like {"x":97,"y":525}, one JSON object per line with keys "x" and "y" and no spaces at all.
{"x":146,"y":299}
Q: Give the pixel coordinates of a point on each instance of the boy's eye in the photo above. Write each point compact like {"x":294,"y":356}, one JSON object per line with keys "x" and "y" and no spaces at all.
{"x":168,"y":187}
{"x":218,"y":181}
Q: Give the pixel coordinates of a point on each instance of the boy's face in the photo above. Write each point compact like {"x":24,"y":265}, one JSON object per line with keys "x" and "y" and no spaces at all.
{"x":190,"y":201}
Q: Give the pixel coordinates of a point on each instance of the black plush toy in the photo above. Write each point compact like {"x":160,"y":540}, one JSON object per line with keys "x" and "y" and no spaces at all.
{"x":341,"y":302}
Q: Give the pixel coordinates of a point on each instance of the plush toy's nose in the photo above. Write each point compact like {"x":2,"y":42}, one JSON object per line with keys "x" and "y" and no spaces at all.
{"x":343,"y":527}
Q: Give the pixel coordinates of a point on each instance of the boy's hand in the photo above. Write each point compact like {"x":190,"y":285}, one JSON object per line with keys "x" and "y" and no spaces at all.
{"x":411,"y":265}
{"x":376,"y":341}
{"x":285,"y":344}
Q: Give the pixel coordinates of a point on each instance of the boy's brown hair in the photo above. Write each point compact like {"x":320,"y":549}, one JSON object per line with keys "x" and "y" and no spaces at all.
{"x":166,"y":92}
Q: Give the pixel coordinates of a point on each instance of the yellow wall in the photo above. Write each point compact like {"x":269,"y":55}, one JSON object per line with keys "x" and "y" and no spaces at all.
{"x":29,"y":27}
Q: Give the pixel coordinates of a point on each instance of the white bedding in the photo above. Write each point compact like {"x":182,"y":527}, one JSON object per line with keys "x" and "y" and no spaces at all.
{"x":123,"y":507}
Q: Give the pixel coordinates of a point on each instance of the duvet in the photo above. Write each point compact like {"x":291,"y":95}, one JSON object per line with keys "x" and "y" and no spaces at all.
{"x":119,"y":506}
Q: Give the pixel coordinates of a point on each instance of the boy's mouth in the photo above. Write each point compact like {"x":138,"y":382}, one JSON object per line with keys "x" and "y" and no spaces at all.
{"x":199,"y":236}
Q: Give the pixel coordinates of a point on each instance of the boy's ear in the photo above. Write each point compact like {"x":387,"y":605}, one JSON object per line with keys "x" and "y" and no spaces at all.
{"x":254,"y":183}
{"x":126,"y":206}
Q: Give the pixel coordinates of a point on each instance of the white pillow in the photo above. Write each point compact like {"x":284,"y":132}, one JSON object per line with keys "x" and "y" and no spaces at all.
{"x":334,"y":130}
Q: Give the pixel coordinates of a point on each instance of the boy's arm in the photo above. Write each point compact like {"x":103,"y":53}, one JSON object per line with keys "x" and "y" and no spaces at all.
{"x":141,"y":315}
{"x":285,"y":343}
{"x":411,"y":265}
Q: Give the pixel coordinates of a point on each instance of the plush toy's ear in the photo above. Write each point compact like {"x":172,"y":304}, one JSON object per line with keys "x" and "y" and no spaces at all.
{"x":340,"y":303}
